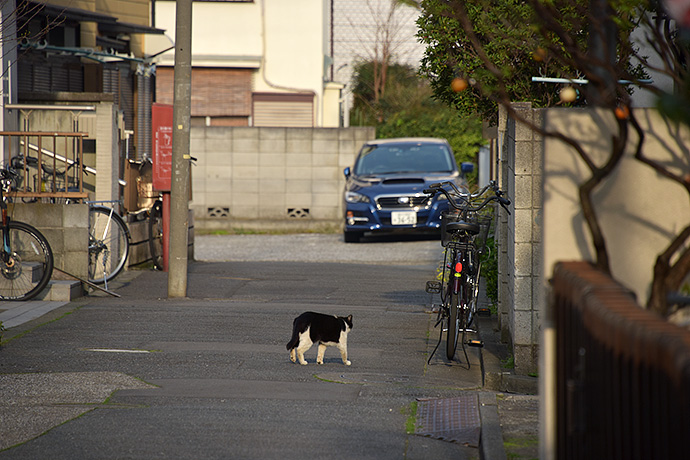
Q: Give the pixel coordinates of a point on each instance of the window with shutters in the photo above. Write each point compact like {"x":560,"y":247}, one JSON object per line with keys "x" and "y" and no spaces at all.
{"x":219,"y":94}
{"x":283,"y":110}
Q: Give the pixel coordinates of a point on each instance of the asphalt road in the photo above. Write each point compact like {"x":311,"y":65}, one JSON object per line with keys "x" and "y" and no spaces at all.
{"x":208,"y":376}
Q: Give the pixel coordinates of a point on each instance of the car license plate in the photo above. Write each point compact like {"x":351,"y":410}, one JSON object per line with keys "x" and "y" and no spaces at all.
{"x":403,"y":218}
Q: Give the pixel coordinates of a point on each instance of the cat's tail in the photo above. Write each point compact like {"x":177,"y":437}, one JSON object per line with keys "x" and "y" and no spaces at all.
{"x":294,"y":340}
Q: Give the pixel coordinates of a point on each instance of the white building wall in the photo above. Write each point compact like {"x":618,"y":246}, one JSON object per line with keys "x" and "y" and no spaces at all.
{"x":284,"y":42}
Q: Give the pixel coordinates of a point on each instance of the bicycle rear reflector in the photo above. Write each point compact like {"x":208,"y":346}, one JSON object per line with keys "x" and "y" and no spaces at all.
{"x":458,"y":267}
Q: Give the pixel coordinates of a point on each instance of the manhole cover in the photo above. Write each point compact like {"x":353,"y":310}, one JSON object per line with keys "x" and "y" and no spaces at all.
{"x":451,"y":419}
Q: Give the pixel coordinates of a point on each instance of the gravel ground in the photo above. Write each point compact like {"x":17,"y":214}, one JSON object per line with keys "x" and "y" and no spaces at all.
{"x":313,"y":247}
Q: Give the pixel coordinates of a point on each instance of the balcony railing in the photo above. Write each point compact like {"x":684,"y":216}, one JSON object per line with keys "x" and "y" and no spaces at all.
{"x":622,"y":372}
{"x":50,"y":164}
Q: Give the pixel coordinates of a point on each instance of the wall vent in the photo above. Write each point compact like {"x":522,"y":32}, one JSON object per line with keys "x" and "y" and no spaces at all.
{"x":298,"y":213}
{"x":217,"y":212}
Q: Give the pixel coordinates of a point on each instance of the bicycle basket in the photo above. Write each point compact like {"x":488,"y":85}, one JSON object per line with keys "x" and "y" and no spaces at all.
{"x":484,"y":221}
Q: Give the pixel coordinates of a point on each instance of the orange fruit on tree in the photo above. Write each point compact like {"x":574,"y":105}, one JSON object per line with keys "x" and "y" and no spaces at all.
{"x":458,"y":84}
{"x":568,"y":94}
{"x":539,"y":54}
{"x":622,"y":112}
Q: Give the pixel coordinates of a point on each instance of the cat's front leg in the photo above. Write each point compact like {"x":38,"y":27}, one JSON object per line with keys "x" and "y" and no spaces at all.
{"x":300,"y":356}
{"x":293,"y":358}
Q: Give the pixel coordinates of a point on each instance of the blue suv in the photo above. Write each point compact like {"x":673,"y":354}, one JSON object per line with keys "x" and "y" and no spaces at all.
{"x":384,"y":190}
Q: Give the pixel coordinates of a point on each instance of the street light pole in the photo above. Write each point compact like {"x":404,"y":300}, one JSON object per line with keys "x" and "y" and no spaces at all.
{"x":179,"y":196}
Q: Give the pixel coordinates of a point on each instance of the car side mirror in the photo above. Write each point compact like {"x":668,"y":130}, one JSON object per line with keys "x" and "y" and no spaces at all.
{"x":467,"y":167}
{"x":347,"y":172}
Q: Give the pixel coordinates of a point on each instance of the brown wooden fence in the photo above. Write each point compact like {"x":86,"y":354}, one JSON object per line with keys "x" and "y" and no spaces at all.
{"x":622,"y":372}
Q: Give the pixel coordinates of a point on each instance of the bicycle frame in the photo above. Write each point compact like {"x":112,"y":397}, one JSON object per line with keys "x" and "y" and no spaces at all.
{"x":7,"y":249}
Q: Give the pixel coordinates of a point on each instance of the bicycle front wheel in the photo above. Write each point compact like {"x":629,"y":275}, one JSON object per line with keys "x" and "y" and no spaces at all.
{"x":473,"y":296}
{"x":156,"y":234}
{"x":28,"y":265}
{"x":108,"y":244}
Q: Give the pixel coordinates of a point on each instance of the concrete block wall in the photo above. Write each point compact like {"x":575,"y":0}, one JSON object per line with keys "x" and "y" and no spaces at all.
{"x":66,"y":227}
{"x":520,"y":237}
{"x":107,"y":153}
{"x":271,"y":174}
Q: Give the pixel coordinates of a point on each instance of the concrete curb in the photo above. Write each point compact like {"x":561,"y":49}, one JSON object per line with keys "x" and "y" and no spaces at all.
{"x":491,"y":441}
{"x":496,"y":379}
{"x":495,"y":376}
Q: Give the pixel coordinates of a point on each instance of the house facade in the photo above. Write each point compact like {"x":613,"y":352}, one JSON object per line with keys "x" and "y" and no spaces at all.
{"x":257,"y":64}
{"x":79,"y":66}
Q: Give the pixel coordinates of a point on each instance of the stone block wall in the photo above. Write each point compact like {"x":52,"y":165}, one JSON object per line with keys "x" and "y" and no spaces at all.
{"x":271,"y":174}
{"x":66,"y":227}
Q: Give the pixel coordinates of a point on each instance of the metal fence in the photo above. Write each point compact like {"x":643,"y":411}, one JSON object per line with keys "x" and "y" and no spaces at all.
{"x":622,"y":372}
{"x":49,"y":164}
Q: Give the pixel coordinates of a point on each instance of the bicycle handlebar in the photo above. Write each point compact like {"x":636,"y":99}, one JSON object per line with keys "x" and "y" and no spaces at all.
{"x":497,"y":196}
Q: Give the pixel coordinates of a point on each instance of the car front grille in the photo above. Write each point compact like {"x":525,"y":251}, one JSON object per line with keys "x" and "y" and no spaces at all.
{"x":403,"y":201}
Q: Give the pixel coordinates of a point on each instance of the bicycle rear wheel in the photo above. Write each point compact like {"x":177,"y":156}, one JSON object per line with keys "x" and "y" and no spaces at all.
{"x":156,"y":234}
{"x":108,"y":244}
{"x":453,"y":323}
{"x":26,"y":269}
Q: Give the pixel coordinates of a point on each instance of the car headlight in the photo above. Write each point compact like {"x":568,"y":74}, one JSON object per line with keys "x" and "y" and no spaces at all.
{"x":354,"y":197}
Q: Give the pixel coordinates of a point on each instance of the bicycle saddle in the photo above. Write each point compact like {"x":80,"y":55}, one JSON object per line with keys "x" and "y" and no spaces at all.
{"x":469,"y":227}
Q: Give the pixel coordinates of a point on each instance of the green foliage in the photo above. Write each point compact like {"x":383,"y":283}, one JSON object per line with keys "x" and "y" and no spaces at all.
{"x":411,"y":422}
{"x":490,"y":269}
{"x":517,"y":41}
{"x":450,"y":53}
{"x":374,"y":102}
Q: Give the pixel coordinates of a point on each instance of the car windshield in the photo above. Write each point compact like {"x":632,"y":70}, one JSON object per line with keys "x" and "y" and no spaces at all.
{"x":404,"y":158}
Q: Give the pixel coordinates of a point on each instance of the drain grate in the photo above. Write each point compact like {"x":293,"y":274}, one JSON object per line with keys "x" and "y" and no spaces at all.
{"x":452,"y":419}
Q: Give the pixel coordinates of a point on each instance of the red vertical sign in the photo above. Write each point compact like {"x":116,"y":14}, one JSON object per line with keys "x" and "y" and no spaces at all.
{"x":161,"y":122}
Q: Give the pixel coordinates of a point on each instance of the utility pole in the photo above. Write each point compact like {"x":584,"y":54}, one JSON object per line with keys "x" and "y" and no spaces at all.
{"x":179,"y":196}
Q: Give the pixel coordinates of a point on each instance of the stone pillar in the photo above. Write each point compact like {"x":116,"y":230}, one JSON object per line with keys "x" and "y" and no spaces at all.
{"x":107,"y":153}
{"x":519,"y":236}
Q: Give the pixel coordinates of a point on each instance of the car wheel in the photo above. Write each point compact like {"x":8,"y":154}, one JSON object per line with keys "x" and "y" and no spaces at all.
{"x":352,"y":237}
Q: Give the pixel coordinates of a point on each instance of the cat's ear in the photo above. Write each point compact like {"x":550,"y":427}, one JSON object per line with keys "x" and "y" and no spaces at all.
{"x":349,"y":318}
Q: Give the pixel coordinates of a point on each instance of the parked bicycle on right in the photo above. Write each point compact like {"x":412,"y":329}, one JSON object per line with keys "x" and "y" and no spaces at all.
{"x":464,"y":230}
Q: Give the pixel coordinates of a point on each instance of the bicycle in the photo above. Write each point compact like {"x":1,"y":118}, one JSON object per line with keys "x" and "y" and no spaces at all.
{"x":109,"y":237}
{"x":109,"y":241}
{"x":26,"y":259}
{"x":156,"y":234}
{"x":464,"y":230}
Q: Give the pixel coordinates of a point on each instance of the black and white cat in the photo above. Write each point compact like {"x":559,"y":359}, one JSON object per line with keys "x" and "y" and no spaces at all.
{"x":326,"y":330}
